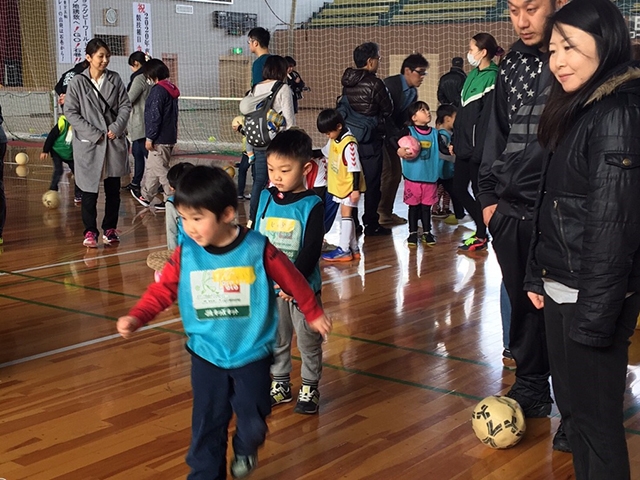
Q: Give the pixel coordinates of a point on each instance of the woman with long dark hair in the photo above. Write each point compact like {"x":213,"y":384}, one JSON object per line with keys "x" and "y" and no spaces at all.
{"x":468,"y":131}
{"x":584,"y":265}
{"x":98,"y":108}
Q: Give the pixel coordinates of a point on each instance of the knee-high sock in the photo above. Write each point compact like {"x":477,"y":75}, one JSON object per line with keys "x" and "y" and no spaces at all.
{"x":426,"y":217}
{"x":414,"y":216}
{"x":347,"y":231}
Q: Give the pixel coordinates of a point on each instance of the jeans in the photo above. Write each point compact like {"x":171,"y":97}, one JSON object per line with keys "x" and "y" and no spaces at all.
{"x":260,"y":180}
{"x":140,"y":153}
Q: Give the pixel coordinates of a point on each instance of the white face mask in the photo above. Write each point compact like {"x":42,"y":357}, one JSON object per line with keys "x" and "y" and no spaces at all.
{"x":472,"y":60}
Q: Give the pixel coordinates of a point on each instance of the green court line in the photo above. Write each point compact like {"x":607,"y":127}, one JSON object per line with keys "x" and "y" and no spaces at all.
{"x":414,"y":350}
{"x":74,"y":285}
{"x":81,"y":312}
{"x":628,"y":413}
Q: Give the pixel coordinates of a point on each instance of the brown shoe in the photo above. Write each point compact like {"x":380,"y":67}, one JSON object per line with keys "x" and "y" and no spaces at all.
{"x":392,"y":219}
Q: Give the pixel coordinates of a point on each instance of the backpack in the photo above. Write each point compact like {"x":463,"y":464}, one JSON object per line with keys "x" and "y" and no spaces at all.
{"x":261,"y":122}
{"x":362,"y":126}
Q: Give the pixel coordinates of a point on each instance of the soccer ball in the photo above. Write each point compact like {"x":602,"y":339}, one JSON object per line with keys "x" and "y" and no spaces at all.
{"x":230,"y":171}
{"x":22,"y":158}
{"x":498,"y":422}
{"x":412,"y":144}
{"x":51,"y":199}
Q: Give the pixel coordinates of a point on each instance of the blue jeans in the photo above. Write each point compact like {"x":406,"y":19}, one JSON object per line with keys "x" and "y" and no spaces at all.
{"x":260,"y":179}
{"x":242,"y":173}
{"x":139,"y":153}
{"x":217,"y":394}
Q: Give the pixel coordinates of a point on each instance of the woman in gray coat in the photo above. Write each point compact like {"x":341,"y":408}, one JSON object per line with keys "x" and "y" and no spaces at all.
{"x":98,"y":108}
{"x":138,"y":90}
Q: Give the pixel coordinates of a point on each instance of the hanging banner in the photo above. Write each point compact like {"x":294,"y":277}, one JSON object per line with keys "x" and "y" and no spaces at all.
{"x":142,"y":27}
{"x":80,"y":29}
{"x":63,"y":33}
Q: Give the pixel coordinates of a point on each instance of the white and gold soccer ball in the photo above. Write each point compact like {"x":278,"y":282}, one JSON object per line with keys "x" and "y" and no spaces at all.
{"x":498,"y":422}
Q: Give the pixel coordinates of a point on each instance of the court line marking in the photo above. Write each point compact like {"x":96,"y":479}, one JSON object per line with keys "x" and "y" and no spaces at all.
{"x":52,"y":265}
{"x":83,"y":344}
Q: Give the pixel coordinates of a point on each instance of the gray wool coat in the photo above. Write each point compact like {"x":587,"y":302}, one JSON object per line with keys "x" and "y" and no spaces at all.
{"x":95,"y":158}
{"x":138,"y":94}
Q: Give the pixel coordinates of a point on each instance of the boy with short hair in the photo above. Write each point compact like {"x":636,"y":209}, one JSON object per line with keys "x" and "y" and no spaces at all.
{"x":58,"y":144}
{"x":292,"y":218}
{"x":258,"y":41}
{"x":345,"y":180}
{"x":223,"y":276}
{"x":161,"y":130}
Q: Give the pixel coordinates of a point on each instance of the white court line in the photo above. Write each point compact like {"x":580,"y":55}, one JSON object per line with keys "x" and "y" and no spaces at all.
{"x":148,"y":327}
{"x":82,"y":344}
{"x":79,"y":261}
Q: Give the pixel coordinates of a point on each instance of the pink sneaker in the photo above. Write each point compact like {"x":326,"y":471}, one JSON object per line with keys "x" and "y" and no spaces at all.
{"x":90,"y":240}
{"x":110,"y":236}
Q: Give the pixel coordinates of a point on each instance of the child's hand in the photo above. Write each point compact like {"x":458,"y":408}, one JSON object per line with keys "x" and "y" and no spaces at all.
{"x":355,"y":196}
{"x":127,"y":325}
{"x":322,"y":325}
{"x":403,"y":152}
{"x":44,"y":156}
{"x":149,"y":145}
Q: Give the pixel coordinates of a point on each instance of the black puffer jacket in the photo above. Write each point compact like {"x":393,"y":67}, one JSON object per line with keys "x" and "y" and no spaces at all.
{"x":588,"y":212}
{"x":367,"y":94}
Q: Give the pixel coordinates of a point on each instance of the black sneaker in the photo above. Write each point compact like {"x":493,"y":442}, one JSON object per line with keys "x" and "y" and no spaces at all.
{"x":160,"y":206}
{"x":428,"y":238}
{"x":308,"y":400}
{"x":560,"y":440}
{"x":376,"y":231}
{"x":141,"y":200}
{"x":243,"y":465}
{"x":531,"y":408}
{"x":280,"y":393}
{"x":412,"y":239}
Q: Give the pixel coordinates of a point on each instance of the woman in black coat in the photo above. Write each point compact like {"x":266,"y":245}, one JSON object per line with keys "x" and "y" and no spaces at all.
{"x":584,"y":265}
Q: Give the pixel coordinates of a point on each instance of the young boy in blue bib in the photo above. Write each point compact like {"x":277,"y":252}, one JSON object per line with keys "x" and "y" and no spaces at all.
{"x":292,"y":218}
{"x":223,"y":276}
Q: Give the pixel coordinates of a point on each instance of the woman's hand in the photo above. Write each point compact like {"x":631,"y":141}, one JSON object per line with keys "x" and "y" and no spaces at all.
{"x":536,"y":299}
{"x":111,"y":135}
{"x":451,"y":150}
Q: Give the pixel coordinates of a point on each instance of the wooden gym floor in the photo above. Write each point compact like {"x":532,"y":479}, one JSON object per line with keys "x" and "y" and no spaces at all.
{"x":416,"y":344}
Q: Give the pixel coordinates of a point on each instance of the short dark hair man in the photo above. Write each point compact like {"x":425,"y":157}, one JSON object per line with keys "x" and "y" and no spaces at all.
{"x":508,"y":184}
{"x":368,"y":96}
{"x":258,"y":40}
{"x":403,"y":89}
{"x":451,"y":83}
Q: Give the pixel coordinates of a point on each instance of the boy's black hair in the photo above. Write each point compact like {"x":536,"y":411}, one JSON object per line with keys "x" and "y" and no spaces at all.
{"x":206,"y":188}
{"x":275,"y":68}
{"x":413,"y":61}
{"x":291,"y":61}
{"x":328,"y":120}
{"x":155,"y":69}
{"x":414,"y":108}
{"x":260,"y":35}
{"x":364,"y":52}
{"x":176,"y":172}
{"x":293,"y":143}
{"x":446,"y":110}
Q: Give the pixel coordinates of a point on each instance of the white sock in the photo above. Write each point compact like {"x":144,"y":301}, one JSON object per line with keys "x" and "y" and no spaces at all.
{"x":346,"y":232}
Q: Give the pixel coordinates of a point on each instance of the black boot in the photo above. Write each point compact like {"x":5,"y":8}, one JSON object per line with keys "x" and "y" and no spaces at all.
{"x":560,"y":440}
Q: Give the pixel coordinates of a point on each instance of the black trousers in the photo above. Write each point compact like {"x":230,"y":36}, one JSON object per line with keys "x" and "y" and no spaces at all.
{"x":589,"y":384}
{"x":527,"y":342}
{"x":111,"y":208}
{"x":218,"y":393}
{"x":458,"y":208}
{"x":58,"y":170}
{"x":467,"y":171}
{"x":371,"y":160}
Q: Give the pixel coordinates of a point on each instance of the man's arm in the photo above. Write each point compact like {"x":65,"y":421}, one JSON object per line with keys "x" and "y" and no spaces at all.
{"x":382,"y":98}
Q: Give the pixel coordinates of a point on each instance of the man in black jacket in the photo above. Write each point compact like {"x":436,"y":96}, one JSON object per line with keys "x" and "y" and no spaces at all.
{"x":508,"y":184}
{"x":368,"y":96}
{"x":451,"y":83}
{"x":403,"y":89}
